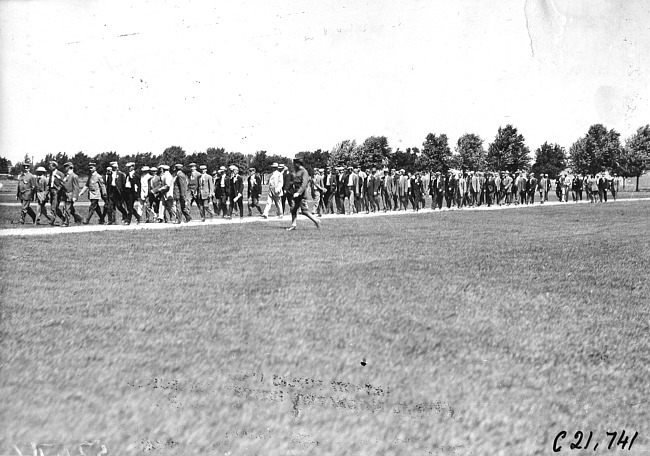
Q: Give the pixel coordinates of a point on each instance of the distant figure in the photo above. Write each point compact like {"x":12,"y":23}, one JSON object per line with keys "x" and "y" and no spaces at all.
{"x":96,"y":190}
{"x":25,"y":193}
{"x":71,"y":194}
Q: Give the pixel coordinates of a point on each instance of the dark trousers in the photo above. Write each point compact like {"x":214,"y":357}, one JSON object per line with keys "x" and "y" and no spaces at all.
{"x":56,"y":210}
{"x":488,"y":198}
{"x":240,"y":206}
{"x":129,"y":201}
{"x":113,"y":202}
{"x":26,"y":209}
{"x":254,"y":202}
{"x":70,"y":212}
{"x":182,"y":209}
{"x":94,"y":208}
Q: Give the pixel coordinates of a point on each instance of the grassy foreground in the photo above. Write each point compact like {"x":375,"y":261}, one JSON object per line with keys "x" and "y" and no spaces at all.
{"x":480,"y":333}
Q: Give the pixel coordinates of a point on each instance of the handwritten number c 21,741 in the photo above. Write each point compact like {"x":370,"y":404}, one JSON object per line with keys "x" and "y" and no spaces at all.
{"x":623,"y":441}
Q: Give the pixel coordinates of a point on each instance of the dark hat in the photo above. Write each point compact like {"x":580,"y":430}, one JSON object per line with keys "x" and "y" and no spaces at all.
{"x":297,"y":161}
{"x":27,"y":163}
{"x":52,"y":162}
{"x":68,"y":165}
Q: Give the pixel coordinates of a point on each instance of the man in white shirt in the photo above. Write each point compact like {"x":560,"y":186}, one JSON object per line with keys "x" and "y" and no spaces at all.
{"x":276,"y":183}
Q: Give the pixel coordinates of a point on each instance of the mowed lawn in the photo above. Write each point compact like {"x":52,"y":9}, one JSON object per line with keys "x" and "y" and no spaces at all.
{"x":463,"y":332}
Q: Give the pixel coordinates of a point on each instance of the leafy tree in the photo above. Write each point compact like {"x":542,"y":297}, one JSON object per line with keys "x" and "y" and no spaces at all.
{"x":214,"y":158}
{"x":404,"y":159}
{"x":636,"y":155}
{"x":549,"y":159}
{"x":343,"y":153}
{"x":598,"y":150}
{"x":239,"y":160}
{"x":374,"y":151}
{"x":261,"y":162}
{"x":104,"y":160}
{"x":172,"y":155}
{"x":470,"y":152}
{"x":508,"y":151}
{"x":314,"y":160}
{"x":436,"y":154}
{"x":5,"y":165}
{"x":80,"y":162}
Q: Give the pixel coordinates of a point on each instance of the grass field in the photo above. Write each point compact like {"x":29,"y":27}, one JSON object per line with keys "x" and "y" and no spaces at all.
{"x":463,"y":332}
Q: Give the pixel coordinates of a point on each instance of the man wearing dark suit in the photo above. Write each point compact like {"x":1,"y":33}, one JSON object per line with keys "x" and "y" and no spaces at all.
{"x":70,"y":194}
{"x":329,"y":182}
{"x":531,"y":188}
{"x":41,"y":194}
{"x":341,"y":188}
{"x":25,"y":193}
{"x":490,"y":190}
{"x":131,"y":191}
{"x":374,"y":189}
{"x":287,"y":182}
{"x":222,"y":191}
{"x":236,"y":192}
{"x":96,"y":190}
{"x":115,"y":182}
{"x":450,"y":189}
{"x":254,"y":191}
{"x":55,"y":183}
{"x":181,"y":193}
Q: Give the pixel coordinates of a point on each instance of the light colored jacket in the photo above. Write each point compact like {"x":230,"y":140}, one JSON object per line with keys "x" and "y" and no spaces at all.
{"x":276,"y":182}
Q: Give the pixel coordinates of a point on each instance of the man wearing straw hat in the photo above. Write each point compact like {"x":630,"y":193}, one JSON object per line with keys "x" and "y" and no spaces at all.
{"x":275,"y":192}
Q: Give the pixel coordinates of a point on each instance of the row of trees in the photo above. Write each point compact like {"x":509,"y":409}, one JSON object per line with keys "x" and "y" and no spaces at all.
{"x":599,"y":150}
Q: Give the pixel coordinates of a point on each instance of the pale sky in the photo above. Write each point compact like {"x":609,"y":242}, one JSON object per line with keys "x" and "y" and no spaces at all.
{"x":287,"y":76}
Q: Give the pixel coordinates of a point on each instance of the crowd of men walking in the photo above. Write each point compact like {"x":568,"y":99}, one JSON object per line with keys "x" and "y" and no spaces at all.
{"x":162,"y":193}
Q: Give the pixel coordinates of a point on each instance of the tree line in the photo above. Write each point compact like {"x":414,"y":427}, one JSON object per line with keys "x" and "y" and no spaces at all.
{"x":597,"y":151}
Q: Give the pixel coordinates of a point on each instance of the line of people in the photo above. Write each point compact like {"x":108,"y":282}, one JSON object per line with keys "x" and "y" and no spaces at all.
{"x":162,"y":193}
{"x":353,"y":190}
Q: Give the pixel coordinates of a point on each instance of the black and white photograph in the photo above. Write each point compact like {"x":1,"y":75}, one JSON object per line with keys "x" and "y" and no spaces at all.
{"x":324,"y":227}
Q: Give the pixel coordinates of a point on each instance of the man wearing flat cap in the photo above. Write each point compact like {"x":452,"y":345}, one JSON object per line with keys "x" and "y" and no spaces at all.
{"x":41,"y":194}
{"x":25,"y":193}
{"x":299,"y":201}
{"x":70,"y":194}
{"x":181,"y":192}
{"x":96,"y":190}
{"x":55,"y":183}
{"x":204,"y":192}
{"x":254,"y":191}
{"x":192,"y":184}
